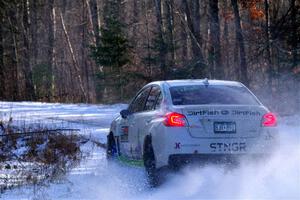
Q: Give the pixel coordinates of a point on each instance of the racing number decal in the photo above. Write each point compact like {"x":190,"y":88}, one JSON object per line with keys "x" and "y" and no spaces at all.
{"x":124,"y":134}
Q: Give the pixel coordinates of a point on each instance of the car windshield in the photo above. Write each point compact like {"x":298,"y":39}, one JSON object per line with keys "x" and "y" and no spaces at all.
{"x":211,"y":94}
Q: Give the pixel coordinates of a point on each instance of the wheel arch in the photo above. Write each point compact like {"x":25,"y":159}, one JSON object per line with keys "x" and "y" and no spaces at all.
{"x":147,"y":139}
{"x":116,"y":141}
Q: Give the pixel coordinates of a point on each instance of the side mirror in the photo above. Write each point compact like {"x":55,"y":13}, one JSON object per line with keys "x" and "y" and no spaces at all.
{"x":125,"y":113}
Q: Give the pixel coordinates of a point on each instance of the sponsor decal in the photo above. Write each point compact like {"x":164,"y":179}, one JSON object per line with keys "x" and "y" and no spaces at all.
{"x":177,"y":145}
{"x":190,"y":145}
{"x":203,"y":112}
{"x":230,"y":147}
{"x":240,"y":112}
{"x":223,"y":112}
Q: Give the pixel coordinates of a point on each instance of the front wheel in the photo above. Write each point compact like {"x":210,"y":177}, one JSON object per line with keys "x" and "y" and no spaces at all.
{"x":111,"y":149}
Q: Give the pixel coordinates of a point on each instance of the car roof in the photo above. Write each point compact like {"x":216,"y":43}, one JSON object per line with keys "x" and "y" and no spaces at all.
{"x":184,"y":82}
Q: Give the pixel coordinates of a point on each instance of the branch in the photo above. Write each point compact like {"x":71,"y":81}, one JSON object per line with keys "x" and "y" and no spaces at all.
{"x":39,"y":132}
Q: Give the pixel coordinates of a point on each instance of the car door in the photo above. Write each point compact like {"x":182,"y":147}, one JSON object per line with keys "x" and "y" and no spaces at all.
{"x":126,"y":124}
{"x":137,"y":109}
{"x":141,"y":120}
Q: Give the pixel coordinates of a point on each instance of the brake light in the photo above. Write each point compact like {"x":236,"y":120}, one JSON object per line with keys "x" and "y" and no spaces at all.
{"x":269,"y":119}
{"x":175,"y":119}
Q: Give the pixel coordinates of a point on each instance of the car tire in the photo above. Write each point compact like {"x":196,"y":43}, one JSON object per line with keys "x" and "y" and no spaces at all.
{"x":111,"y":148}
{"x":149,"y":163}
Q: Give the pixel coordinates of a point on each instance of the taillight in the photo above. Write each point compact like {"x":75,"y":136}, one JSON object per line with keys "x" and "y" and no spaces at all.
{"x":269,"y":119}
{"x":175,"y":119}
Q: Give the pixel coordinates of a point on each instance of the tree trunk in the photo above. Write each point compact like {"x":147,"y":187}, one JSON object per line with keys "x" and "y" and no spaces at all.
{"x":183,"y":35}
{"x":294,"y":32}
{"x":50,"y":49}
{"x":268,"y":50}
{"x":75,"y":62}
{"x":226,"y":46}
{"x":93,"y":12}
{"x":295,"y":43}
{"x":27,"y":70}
{"x":170,"y":25}
{"x":33,"y":31}
{"x":13,"y":55}
{"x":135,"y":20}
{"x":215,"y":47}
{"x":162,"y":47}
{"x":149,"y":55}
{"x":196,"y":46}
{"x":268,"y":47}
{"x":240,"y":41}
{"x":195,"y":37}
{"x":2,"y":82}
{"x":84,"y":43}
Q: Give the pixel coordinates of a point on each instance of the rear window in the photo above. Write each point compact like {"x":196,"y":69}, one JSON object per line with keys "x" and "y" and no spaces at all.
{"x":211,"y":94}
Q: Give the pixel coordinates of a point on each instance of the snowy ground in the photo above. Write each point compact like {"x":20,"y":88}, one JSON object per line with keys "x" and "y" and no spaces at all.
{"x":94,"y":178}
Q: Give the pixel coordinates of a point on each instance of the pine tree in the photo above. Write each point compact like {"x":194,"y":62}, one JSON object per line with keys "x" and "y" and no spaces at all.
{"x":112,"y":52}
{"x":113,"y":48}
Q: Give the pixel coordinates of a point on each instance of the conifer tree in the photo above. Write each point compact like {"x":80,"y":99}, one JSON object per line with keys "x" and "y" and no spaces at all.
{"x":113,"y":48}
{"x":112,"y":52}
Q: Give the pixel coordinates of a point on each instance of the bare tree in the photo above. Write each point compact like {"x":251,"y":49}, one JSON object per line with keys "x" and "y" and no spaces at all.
{"x":183,"y":34}
{"x":94,"y":18}
{"x":268,"y":47}
{"x":196,"y":45}
{"x":194,"y":33}
{"x":50,"y":50}
{"x":162,"y":47}
{"x":33,"y":31}
{"x":295,"y":38}
{"x":2,"y":83}
{"x":148,"y":42}
{"x":13,"y":54}
{"x":226,"y":40}
{"x":240,"y":42}
{"x":84,"y":42}
{"x":169,"y":16}
{"x":27,"y":70}
{"x":75,"y":62}
{"x":215,"y":47}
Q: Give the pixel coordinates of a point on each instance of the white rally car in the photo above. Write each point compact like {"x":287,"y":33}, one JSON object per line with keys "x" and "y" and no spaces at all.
{"x":171,"y":122}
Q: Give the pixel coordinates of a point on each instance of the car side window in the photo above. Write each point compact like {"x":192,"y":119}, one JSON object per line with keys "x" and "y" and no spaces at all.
{"x":152,"y":99}
{"x":138,"y":103}
{"x":158,"y":101}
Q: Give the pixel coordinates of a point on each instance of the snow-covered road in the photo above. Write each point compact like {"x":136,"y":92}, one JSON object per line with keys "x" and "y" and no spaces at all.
{"x":94,"y":178}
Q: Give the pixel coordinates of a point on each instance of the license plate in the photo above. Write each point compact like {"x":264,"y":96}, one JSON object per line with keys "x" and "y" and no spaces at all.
{"x":224,"y":127}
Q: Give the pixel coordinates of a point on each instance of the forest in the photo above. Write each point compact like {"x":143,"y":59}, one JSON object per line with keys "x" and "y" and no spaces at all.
{"x":103,"y":51}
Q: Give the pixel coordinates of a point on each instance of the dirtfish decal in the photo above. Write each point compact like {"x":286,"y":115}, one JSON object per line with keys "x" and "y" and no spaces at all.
{"x":223,"y":112}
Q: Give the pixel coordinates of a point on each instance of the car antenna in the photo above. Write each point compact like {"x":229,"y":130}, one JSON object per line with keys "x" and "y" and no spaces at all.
{"x":205,"y":82}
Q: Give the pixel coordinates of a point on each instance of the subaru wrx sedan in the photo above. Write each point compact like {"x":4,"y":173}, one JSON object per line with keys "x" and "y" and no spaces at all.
{"x":171,"y":122}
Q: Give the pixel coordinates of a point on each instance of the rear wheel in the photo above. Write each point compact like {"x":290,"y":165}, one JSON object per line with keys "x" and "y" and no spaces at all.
{"x":111,"y":148}
{"x":149,"y":163}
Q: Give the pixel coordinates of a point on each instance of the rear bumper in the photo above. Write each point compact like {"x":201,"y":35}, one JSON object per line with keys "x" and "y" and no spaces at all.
{"x":179,"y":160}
{"x":177,"y":144}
